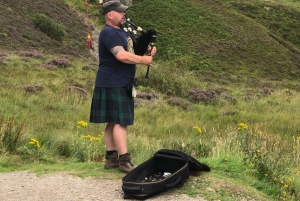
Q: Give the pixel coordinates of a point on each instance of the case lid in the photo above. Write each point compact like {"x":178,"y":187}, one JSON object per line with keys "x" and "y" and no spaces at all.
{"x":194,"y":164}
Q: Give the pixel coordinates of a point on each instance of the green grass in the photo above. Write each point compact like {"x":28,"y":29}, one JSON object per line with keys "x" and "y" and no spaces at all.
{"x":51,"y":117}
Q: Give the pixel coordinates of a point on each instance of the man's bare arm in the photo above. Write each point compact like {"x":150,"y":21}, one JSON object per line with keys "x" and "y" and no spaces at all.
{"x":116,"y":50}
{"x":129,"y":58}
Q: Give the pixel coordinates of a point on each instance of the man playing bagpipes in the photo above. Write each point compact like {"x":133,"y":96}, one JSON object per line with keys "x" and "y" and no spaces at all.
{"x":113,"y":101}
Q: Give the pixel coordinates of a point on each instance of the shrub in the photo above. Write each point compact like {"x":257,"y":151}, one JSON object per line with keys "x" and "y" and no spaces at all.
{"x":179,"y":102}
{"x":10,"y":135}
{"x":53,"y":29}
{"x":197,"y":95}
{"x":86,"y":147}
{"x":269,"y":159}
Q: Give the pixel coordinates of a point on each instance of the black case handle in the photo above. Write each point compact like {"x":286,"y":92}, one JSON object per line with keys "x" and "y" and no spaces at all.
{"x":132,"y":190}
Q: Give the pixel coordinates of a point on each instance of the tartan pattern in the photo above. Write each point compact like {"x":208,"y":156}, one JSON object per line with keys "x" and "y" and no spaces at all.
{"x":112,"y":105}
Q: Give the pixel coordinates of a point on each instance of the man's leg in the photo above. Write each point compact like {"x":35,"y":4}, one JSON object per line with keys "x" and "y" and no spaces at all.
{"x":108,"y":137}
{"x":120,"y":138}
{"x":115,"y":137}
{"x":111,"y":156}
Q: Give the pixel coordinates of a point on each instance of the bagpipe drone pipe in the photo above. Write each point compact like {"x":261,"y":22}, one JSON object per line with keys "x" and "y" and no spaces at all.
{"x":140,"y":41}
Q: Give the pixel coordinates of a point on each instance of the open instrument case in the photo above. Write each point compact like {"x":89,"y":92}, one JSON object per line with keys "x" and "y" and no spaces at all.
{"x":166,"y":169}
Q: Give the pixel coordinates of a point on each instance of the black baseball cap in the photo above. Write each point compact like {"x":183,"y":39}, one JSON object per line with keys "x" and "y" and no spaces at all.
{"x":113,"y":5}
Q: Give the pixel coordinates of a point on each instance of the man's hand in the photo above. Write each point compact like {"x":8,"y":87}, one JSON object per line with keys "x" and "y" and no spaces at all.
{"x":151,"y":50}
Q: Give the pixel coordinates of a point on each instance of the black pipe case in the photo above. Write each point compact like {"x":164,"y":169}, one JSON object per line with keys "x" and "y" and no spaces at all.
{"x":165,"y":170}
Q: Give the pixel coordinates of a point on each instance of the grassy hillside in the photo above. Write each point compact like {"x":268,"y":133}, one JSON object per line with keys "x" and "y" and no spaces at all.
{"x":224,"y":88}
{"x":217,"y":36}
{"x":257,"y":38}
{"x":18,"y":32}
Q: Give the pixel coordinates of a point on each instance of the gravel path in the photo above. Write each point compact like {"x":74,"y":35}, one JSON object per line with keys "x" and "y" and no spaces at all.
{"x":26,"y":186}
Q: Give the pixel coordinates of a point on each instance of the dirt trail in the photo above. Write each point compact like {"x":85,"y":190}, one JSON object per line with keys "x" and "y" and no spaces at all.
{"x":63,"y":187}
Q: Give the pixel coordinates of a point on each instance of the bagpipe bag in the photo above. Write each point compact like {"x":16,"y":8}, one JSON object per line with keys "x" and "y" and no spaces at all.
{"x":175,"y":165}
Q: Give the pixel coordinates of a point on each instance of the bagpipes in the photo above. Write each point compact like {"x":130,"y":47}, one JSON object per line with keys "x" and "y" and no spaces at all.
{"x":142,"y":41}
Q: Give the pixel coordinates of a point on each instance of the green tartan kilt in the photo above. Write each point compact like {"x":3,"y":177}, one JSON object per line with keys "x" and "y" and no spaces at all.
{"x":112,"y":105}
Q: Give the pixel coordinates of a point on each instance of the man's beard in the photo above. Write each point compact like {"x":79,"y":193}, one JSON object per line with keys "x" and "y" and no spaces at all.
{"x":119,"y":23}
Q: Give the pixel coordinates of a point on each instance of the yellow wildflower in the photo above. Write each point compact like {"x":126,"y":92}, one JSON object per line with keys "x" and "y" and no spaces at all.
{"x":258,"y":151}
{"x":97,"y":139}
{"x":290,"y":179}
{"x":82,"y":123}
{"x":35,"y":142}
{"x":266,"y":175}
{"x":242,"y":126}
{"x":91,"y":138}
{"x":198,"y":129}
{"x":38,"y":145}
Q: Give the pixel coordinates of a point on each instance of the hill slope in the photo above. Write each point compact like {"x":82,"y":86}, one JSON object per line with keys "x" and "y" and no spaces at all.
{"x":218,"y":36}
{"x":18,"y":32}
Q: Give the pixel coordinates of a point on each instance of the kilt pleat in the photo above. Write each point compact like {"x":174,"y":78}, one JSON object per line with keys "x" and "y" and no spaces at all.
{"x":112,"y":105}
